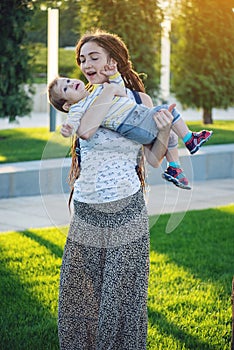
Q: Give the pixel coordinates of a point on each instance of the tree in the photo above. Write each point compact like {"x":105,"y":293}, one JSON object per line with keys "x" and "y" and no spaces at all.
{"x":203,"y":55}
{"x":137,"y":22}
{"x":68,"y":21}
{"x":14,"y":59}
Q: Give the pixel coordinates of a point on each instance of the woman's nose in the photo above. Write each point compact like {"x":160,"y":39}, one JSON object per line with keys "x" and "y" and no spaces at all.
{"x":87,"y":64}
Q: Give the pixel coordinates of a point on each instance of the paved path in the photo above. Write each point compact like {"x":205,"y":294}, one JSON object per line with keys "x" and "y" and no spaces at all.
{"x":42,"y":211}
{"x":51,"y":210}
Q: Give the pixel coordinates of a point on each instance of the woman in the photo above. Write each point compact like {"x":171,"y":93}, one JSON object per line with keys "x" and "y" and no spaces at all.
{"x":104,"y":274}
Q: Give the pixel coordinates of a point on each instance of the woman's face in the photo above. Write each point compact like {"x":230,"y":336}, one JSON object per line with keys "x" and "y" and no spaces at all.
{"x":93,"y":59}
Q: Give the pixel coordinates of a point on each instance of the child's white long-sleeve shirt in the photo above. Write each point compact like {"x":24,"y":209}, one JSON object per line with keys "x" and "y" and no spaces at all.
{"x":119,"y":109}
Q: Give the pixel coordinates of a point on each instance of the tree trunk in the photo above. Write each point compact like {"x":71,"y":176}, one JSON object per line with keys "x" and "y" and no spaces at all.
{"x":207,"y":116}
{"x":12,"y":118}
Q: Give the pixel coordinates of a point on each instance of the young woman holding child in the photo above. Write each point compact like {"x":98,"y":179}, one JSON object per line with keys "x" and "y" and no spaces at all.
{"x":104,"y":273}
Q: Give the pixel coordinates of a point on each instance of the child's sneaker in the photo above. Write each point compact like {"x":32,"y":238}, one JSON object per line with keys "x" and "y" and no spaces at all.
{"x":176,"y":176}
{"x":197,"y":139}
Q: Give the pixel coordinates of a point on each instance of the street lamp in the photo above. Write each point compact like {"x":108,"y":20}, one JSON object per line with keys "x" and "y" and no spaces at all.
{"x":165,"y":59}
{"x":52,"y":56}
{"x":165,"y":50}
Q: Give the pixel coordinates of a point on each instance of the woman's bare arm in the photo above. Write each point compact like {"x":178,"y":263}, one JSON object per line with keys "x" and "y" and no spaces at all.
{"x":155,"y":153}
{"x":94,"y":116}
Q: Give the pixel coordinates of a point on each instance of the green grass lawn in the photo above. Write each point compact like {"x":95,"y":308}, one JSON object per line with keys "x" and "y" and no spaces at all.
{"x":189,"y":291}
{"x":24,"y":144}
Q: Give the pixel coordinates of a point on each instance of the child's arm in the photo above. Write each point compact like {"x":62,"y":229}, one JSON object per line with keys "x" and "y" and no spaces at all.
{"x":66,"y":130}
{"x":95,"y":114}
{"x":102,"y":106}
{"x":113,"y":75}
{"x":73,"y":120}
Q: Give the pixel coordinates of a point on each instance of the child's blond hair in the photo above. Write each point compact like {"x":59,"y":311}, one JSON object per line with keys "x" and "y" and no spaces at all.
{"x":54,"y":97}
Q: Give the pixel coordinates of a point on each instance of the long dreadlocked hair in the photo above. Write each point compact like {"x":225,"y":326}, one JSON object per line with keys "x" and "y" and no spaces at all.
{"x":118,"y":51}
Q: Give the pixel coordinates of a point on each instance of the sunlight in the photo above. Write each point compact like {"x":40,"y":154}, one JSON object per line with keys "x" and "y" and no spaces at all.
{"x":227,"y":209}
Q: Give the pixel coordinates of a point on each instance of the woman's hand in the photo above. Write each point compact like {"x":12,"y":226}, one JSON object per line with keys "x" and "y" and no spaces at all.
{"x":155,"y":153}
{"x":164,"y":118}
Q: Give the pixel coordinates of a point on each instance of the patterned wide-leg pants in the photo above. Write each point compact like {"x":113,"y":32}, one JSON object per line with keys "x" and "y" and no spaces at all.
{"x":104,"y":277}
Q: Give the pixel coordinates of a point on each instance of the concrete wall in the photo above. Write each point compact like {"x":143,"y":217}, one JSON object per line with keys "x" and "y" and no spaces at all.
{"x":40,"y":102}
{"x":50,"y":176}
{"x":211,"y":162}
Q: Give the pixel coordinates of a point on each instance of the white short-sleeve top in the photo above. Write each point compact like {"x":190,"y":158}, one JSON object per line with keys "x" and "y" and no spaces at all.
{"x":108,"y":163}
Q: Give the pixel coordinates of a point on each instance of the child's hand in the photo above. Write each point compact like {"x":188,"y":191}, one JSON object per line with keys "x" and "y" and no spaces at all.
{"x":115,"y":89}
{"x":171,"y":107}
{"x":109,"y":70}
{"x":66,"y":130}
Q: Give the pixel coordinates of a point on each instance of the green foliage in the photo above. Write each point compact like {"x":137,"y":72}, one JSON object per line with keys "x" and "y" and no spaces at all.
{"x":68,"y":21}
{"x":67,"y":63}
{"x":202,"y":54}
{"x":14,"y":59}
{"x":189,"y":287}
{"x":137,"y":22}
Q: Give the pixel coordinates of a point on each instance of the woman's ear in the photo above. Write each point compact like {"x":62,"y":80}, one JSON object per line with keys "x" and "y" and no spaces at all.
{"x":66,"y":106}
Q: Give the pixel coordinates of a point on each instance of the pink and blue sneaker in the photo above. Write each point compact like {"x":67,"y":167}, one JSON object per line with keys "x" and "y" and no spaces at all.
{"x":197,"y":140}
{"x":177,"y":177}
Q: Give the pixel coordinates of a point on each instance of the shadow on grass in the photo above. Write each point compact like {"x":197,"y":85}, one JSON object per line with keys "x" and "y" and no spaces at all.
{"x":203,"y":244}
{"x":54,"y":248}
{"x":24,"y":322}
{"x":170,"y":329}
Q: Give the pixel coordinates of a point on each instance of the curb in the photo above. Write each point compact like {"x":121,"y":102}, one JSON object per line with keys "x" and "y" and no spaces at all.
{"x":50,"y":176}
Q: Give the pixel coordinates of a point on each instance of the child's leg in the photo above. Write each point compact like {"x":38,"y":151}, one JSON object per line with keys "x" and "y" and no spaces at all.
{"x":174,"y":173}
{"x":181,"y":129}
{"x":192,"y":140}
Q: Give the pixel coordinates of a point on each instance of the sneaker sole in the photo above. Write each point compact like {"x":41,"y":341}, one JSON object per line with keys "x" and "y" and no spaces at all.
{"x":170,"y":178}
{"x":201,"y":143}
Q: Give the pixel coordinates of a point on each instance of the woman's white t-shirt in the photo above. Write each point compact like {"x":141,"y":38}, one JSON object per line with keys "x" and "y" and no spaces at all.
{"x":108,"y":163}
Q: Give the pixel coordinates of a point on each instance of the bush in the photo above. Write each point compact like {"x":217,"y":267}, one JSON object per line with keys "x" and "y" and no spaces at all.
{"x":67,"y":63}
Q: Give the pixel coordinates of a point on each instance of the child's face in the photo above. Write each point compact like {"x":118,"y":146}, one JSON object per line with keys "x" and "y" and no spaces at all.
{"x":72,"y":90}
{"x":93,"y":59}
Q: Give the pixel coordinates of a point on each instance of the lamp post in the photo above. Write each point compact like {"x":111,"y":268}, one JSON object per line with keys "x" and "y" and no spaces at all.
{"x":165,"y":6}
{"x":165,"y":59}
{"x":52,"y":56}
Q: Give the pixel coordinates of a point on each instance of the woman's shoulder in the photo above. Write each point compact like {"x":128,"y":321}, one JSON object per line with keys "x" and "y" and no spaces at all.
{"x":146,"y":99}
